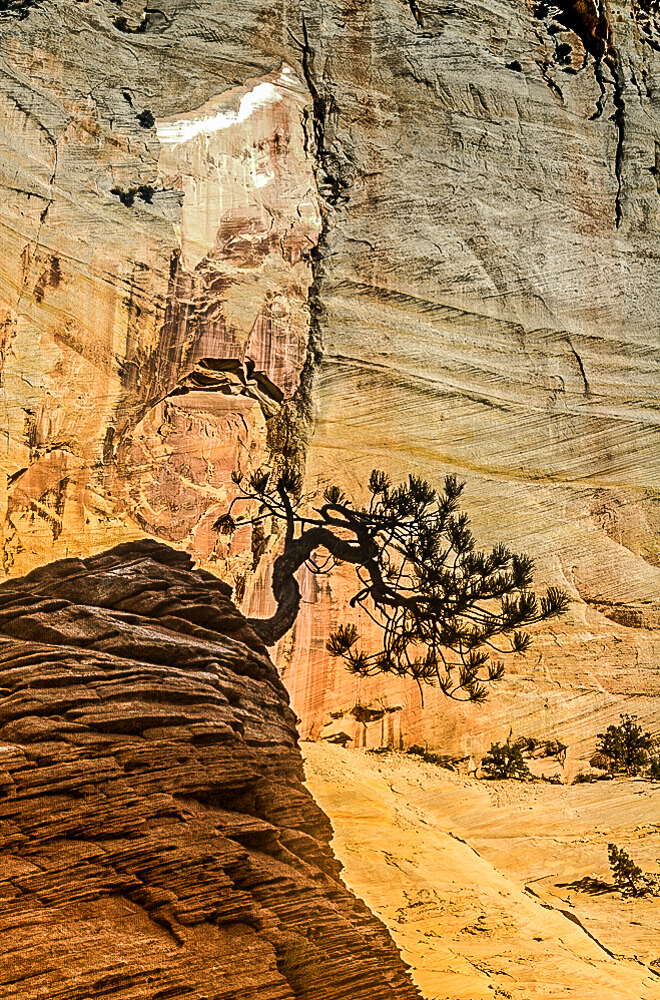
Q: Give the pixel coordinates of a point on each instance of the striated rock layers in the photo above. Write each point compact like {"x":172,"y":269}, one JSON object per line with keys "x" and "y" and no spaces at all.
{"x":409,"y":235}
{"x":156,"y":838}
{"x":496,"y":889}
{"x":490,"y":288}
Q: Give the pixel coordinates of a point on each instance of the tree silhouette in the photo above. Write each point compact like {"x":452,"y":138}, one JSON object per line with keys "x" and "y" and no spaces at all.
{"x":440,"y":602}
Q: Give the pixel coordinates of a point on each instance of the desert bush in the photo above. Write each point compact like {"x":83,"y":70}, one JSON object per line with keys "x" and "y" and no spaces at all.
{"x":127,"y":197}
{"x":629,"y":877}
{"x":654,"y":769}
{"x":146,"y":119}
{"x":505,"y":760}
{"x":599,"y":761}
{"x":440,"y":760}
{"x":626,"y":748}
{"x":584,"y":778}
{"x":624,"y":870}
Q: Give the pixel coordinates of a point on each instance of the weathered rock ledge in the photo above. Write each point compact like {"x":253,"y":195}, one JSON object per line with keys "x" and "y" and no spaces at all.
{"x":156,"y":839}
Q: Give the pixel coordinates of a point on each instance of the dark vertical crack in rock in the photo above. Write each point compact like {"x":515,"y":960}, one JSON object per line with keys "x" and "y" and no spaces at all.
{"x":416,"y":13}
{"x":587,"y":387}
{"x":554,"y":87}
{"x":655,"y":169}
{"x":288,"y":432}
{"x":600,"y":80}
{"x":329,"y":182}
{"x":620,"y":122}
{"x":588,"y":19}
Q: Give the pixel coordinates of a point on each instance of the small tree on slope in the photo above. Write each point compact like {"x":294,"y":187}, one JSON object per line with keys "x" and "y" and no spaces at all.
{"x":441,"y":603}
{"x":626,"y":747}
{"x":505,"y":760}
{"x":624,"y":870}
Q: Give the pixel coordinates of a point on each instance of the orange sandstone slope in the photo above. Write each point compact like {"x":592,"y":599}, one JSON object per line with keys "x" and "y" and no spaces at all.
{"x":483,"y":892}
{"x":157,"y":840}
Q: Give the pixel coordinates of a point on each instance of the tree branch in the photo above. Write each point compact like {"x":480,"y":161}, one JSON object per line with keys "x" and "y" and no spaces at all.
{"x":285,"y":586}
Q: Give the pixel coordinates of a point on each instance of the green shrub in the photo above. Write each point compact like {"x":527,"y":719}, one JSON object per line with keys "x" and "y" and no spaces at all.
{"x":584,"y":778}
{"x":505,"y":760}
{"x":127,"y":197}
{"x":654,"y":769}
{"x":439,"y":759}
{"x":146,"y":119}
{"x":625,"y":747}
{"x":624,"y":870}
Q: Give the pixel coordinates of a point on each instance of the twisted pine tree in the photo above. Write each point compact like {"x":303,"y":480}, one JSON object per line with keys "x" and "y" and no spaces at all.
{"x":442,"y":604}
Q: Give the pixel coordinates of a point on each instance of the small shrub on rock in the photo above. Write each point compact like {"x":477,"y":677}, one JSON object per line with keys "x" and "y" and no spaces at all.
{"x":629,"y":877}
{"x":539,"y":749}
{"x":584,"y":778}
{"x":625,"y":748}
{"x":145,"y":192}
{"x":146,"y":119}
{"x":624,"y":870}
{"x":654,"y":769}
{"x":439,"y":759}
{"x":505,"y":760}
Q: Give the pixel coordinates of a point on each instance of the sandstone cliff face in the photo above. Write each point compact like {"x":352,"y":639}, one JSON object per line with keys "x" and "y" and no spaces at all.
{"x":425,"y":233}
{"x":156,"y":242}
{"x":490,"y":294}
{"x":156,"y":836}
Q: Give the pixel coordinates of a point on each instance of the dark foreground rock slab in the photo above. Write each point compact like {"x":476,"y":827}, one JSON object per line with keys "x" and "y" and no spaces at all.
{"x":156,"y":840}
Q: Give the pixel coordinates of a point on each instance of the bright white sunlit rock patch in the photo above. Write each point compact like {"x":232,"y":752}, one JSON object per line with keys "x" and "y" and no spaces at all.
{"x":173,"y":133}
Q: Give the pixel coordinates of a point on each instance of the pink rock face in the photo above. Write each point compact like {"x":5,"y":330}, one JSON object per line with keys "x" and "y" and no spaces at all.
{"x":158,"y":256}
{"x":191,"y":444}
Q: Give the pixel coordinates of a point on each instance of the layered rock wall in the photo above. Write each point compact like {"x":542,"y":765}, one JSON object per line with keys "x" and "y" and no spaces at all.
{"x":490,"y":294}
{"x":159,"y":216}
{"x":156,"y":838}
{"x":406,"y":235}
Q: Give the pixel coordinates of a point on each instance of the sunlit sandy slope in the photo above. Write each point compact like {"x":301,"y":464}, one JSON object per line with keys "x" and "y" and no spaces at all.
{"x":445,"y":862}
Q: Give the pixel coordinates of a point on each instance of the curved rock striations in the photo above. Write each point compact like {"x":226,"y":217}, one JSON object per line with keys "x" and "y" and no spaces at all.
{"x":489,"y":286}
{"x":155,"y":836}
